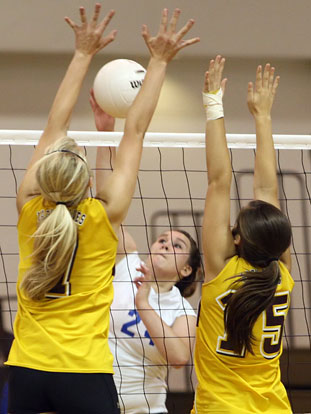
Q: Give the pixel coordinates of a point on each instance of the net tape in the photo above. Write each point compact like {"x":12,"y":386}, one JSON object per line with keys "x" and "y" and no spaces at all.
{"x":155,"y":139}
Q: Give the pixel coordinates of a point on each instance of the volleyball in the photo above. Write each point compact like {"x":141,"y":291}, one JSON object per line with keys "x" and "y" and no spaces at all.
{"x":117,"y":84}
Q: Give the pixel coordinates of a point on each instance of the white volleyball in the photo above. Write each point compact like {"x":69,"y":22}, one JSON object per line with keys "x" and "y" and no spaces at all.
{"x":117,"y":84}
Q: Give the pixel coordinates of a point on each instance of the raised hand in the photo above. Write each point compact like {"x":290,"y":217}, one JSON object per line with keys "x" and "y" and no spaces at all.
{"x":260,"y":98}
{"x":213,"y":77}
{"x":143,"y":284}
{"x":167,"y":43}
{"x":103,"y":121}
{"x":89,"y":36}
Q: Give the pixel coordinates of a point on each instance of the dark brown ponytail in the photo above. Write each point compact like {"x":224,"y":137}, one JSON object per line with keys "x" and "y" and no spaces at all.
{"x":265,"y":233}
{"x":254,"y":293}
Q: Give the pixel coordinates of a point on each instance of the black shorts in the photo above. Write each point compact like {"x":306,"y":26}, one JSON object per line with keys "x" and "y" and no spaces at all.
{"x":32,"y":392}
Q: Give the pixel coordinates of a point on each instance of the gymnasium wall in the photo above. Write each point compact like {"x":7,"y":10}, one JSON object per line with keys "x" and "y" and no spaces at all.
{"x":29,"y":81}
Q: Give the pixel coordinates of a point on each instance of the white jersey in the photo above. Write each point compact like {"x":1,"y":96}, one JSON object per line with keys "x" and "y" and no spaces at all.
{"x":140,"y":370}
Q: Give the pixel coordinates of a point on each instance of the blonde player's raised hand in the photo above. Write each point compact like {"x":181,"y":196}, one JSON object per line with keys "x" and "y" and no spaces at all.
{"x":260,"y":97}
{"x":167,"y":43}
{"x":89,"y":35}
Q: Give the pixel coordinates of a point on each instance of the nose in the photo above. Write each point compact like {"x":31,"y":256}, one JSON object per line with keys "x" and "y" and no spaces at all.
{"x":164,"y":247}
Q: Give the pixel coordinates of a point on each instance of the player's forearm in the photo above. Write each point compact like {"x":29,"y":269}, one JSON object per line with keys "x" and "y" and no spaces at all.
{"x":144,"y":105}
{"x":170,"y":346}
{"x":217,"y":154}
{"x":137,"y":121}
{"x":265,"y":177}
{"x":68,"y":92}
{"x":105,"y":158}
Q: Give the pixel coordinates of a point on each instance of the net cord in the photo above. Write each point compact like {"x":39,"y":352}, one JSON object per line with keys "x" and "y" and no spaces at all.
{"x":155,"y":139}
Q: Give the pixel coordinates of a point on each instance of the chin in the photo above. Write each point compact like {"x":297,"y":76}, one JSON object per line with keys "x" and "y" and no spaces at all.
{"x":158,"y":263}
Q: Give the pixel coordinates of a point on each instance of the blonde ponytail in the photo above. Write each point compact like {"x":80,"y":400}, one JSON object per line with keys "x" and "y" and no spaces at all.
{"x":63,"y":177}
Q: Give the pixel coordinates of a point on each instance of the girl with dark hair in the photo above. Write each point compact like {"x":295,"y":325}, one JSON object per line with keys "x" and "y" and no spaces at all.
{"x":152,"y":325}
{"x":246,"y":294}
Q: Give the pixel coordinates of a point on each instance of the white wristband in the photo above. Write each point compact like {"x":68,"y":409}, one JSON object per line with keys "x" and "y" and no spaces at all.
{"x":212,"y":103}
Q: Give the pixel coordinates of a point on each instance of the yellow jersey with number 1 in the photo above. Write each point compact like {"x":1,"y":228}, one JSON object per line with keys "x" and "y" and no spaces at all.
{"x":240,"y":384}
{"x":67,"y":331}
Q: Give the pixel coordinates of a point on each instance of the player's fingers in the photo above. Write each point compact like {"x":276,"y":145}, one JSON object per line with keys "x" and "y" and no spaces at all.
{"x":223,"y":85}
{"x":206,"y":82}
{"x":173,"y":21}
{"x":108,"y":39}
{"x":163,"y":22}
{"x":266,"y":76}
{"x":220,"y":67}
{"x":258,"y":83}
{"x":70,"y":22}
{"x":184,"y":30}
{"x":271,"y":77}
{"x":102,"y":26}
{"x":275,"y":84}
{"x":145,"y":33}
{"x":211,"y":67}
{"x":92,"y":101}
{"x":96,"y":14}
{"x":185,"y":43}
{"x":82,"y":15}
{"x":250,"y":92}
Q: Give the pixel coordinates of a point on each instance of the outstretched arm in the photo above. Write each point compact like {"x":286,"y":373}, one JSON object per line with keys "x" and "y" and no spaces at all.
{"x":105,"y":159}
{"x":174,"y":342}
{"x":163,"y":47}
{"x":105,"y":156}
{"x":217,"y":238}
{"x":260,"y":100}
{"x":89,"y":40}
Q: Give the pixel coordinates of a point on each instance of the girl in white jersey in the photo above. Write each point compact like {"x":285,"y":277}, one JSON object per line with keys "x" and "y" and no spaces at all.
{"x":152,"y":325}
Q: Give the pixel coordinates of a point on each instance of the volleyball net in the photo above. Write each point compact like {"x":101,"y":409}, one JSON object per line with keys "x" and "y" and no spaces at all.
{"x":170,"y":193}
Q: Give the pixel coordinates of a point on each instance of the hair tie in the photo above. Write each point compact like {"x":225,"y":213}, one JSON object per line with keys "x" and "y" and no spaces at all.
{"x":272,"y":259}
{"x":64,"y":203}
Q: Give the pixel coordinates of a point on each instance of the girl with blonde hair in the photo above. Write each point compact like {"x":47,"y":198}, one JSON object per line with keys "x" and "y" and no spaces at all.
{"x":60,"y":359}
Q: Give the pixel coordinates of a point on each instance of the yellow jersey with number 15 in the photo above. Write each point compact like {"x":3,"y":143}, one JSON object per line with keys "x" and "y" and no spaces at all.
{"x":229,"y":383}
{"x":67,"y":331}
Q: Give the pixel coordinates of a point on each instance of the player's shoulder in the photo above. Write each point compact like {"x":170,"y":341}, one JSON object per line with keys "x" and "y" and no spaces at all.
{"x":126,"y":268}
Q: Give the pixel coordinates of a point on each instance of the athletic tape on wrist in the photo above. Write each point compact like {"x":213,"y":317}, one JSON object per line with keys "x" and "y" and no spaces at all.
{"x":212,"y":102}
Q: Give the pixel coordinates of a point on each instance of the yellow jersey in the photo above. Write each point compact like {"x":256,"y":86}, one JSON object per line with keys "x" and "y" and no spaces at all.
{"x":229,"y":383}
{"x":67,"y":331}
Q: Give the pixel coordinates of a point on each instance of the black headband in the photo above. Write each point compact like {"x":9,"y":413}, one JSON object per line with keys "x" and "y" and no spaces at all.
{"x":67,"y":151}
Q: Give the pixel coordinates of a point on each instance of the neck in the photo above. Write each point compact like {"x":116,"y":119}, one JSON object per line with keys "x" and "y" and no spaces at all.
{"x":162,"y":287}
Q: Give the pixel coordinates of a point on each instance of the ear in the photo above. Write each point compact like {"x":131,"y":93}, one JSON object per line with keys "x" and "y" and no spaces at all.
{"x":237,"y":240}
{"x":186,"y":271}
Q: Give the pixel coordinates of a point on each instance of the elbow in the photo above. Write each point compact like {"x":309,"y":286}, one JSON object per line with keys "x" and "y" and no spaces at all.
{"x":220,"y":178}
{"x":134,"y":128}
{"x":220,"y":183}
{"x":179,"y":361}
